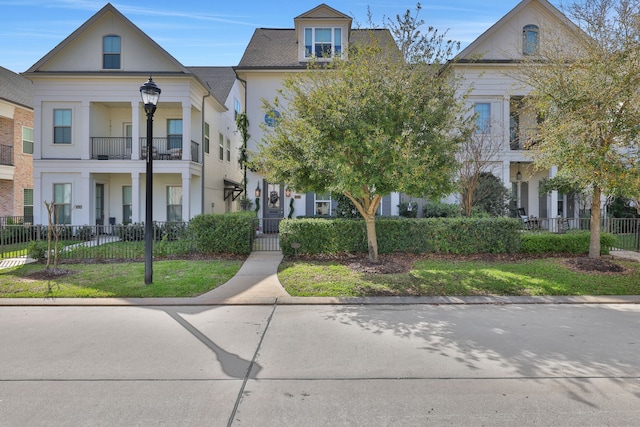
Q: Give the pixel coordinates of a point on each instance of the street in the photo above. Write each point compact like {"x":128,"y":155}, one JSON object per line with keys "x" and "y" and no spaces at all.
{"x":314,"y":365}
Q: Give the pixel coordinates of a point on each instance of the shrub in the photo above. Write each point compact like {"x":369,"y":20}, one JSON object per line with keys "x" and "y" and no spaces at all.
{"x":130,"y":232}
{"x":223,"y":233}
{"x":573,"y":242}
{"x":439,"y":235}
{"x":84,"y":233}
{"x":37,"y":249}
{"x":440,"y":210}
{"x":408,"y":209}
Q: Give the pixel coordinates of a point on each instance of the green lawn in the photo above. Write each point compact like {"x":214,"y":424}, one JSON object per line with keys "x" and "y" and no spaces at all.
{"x":437,"y":277}
{"x":182,"y":278}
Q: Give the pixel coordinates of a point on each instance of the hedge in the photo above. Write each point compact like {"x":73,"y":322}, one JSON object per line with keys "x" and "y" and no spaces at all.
{"x":223,"y":233}
{"x":436,"y":235}
{"x":572,"y":242}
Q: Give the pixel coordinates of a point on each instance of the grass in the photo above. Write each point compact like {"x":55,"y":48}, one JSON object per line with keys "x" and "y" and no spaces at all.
{"x":183,"y":278}
{"x":437,"y":277}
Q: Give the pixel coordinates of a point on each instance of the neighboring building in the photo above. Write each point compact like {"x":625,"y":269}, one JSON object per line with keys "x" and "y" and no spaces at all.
{"x":90,"y":138}
{"x":489,"y":65}
{"x":16,"y":146}
{"x":271,"y":55}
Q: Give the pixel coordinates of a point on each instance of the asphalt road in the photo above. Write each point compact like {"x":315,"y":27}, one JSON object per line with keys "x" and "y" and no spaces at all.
{"x":293,"y":365}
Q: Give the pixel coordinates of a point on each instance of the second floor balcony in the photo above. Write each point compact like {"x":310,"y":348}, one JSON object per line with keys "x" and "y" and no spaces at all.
{"x":120,"y":148}
{"x":6,"y":155}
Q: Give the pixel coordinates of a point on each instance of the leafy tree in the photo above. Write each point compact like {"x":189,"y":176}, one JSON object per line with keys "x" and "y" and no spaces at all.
{"x":490,"y":195}
{"x":369,"y":123}
{"x":588,"y":91}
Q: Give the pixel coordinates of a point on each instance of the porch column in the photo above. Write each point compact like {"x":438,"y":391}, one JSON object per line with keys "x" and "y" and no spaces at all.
{"x":85,"y":130}
{"x":37,"y":142}
{"x":186,"y":132}
{"x":136,"y":202}
{"x":86,"y":200}
{"x":553,"y":209}
{"x":395,"y":201}
{"x":186,"y":195}
{"x":39,"y":215}
{"x":135,"y":142}
{"x":506,"y":174}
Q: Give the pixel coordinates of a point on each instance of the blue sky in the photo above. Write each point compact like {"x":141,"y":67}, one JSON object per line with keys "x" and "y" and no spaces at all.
{"x":214,"y":32}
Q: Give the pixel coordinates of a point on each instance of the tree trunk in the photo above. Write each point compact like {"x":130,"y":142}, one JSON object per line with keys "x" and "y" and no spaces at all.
{"x":372,"y":240}
{"x":594,"y":242}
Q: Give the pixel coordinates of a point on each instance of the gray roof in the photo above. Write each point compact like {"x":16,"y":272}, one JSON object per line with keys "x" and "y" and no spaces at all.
{"x":16,"y":89}
{"x":277,"y":48}
{"x":220,"y":80}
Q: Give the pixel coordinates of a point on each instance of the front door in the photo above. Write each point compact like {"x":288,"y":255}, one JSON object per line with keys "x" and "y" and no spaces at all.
{"x":99,"y":204}
{"x":273,"y":207}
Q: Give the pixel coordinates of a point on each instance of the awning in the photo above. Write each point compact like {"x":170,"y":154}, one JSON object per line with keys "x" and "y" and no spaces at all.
{"x":232,"y":189}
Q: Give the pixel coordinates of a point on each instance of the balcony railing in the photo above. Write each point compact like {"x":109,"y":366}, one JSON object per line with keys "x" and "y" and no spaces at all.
{"x":6,"y":155}
{"x":163,"y":148}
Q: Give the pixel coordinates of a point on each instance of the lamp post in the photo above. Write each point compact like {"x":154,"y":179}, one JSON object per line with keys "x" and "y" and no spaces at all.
{"x":150,"y":94}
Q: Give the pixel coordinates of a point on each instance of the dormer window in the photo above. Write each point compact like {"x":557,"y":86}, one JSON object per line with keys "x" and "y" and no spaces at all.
{"x":322,"y":42}
{"x":111,"y":52}
{"x":530,"y":38}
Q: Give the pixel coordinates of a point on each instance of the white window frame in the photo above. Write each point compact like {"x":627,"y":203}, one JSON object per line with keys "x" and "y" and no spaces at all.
{"x":27,"y":140}
{"x":27,"y":202}
{"x":530,"y":46}
{"x":62,"y":203}
{"x":483,"y":124}
{"x":111,"y":52}
{"x":221,"y":146}
{"x":311,"y":43}
{"x":127,"y":203}
{"x":63,"y":125}
{"x":171,"y":198}
{"x":322,"y":204}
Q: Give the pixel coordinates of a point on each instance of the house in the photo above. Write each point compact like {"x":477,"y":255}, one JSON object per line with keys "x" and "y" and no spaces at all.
{"x":16,"y":146}
{"x":271,"y":55}
{"x":489,"y":67}
{"x":89,"y":155}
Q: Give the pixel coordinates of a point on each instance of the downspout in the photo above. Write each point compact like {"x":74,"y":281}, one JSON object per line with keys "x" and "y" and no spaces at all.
{"x":203,"y":156}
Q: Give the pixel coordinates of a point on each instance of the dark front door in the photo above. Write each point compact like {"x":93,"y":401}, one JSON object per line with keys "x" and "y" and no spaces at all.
{"x":99,"y":204}
{"x":273,"y":207}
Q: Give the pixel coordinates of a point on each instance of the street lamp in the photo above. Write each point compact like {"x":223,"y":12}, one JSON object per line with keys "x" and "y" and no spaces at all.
{"x":150,"y":94}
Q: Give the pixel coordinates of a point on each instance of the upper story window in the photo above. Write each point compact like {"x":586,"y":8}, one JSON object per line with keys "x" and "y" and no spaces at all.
{"x":62,"y":126}
{"x":483,"y":117}
{"x":322,"y":42}
{"x":206,"y":138}
{"x":111,"y":47}
{"x":27,"y":140}
{"x":174,"y":134}
{"x":530,"y":39}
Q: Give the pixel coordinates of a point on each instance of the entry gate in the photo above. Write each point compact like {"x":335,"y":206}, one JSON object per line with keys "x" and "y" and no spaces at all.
{"x":267,"y":235}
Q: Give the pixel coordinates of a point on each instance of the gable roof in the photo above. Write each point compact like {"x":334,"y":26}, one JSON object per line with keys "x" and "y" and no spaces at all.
{"x":468,"y":51}
{"x":323,"y":11}
{"x":277,"y":48}
{"x":108,"y":8}
{"x":15,"y":89}
{"x":219,"y":81}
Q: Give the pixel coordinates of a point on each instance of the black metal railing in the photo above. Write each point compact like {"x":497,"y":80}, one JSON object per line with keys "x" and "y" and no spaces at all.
{"x":6,"y":155}
{"x":108,"y":148}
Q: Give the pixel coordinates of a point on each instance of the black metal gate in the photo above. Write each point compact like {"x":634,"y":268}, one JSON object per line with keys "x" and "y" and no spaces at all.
{"x":267,"y":235}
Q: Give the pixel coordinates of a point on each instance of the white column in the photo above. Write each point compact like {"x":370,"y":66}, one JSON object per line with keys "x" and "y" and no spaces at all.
{"x":136,"y":201}
{"x":85,"y":130}
{"x":186,"y":195}
{"x":83,"y":215}
{"x":37,"y":135}
{"x":506,"y":174}
{"x":135,"y":137}
{"x":186,"y":133}
{"x":553,"y":208}
{"x":39,"y":213}
{"x":395,"y":201}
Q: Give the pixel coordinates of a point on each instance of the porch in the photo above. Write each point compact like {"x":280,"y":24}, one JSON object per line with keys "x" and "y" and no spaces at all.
{"x":120,"y":148}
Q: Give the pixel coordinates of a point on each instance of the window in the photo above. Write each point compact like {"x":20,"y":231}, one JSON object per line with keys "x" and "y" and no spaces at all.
{"x":27,"y":140}
{"x":228,"y":150}
{"x":62,"y":126}
{"x":174,"y":133}
{"x":530,"y":39}
{"x":111,"y":53}
{"x":126,"y":204}
{"x":27,"y":205}
{"x":221,"y":145}
{"x":323,"y":204}
{"x":174,"y":203}
{"x":237,"y":109}
{"x":515,"y":106}
{"x":62,"y":203}
{"x":206,"y":138}
{"x":322,"y":42}
{"x":483,"y":117}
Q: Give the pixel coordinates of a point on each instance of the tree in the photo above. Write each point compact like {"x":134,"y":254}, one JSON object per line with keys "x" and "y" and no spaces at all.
{"x":588,"y":93}
{"x":476,"y":155}
{"x":368,"y":123}
{"x":490,"y":195}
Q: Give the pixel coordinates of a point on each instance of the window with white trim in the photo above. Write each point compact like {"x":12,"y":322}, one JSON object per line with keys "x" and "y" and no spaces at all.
{"x":126,"y":204}
{"x":228,"y":150}
{"x":62,"y":126}
{"x":27,"y":205}
{"x":530,"y":39}
{"x":62,"y":203}
{"x":221,"y":145}
{"x":483,"y":117}
{"x":174,"y":204}
{"x":323,"y":204}
{"x":111,"y":48}
{"x":27,"y":140}
{"x":322,"y":42}
{"x":206,"y":138}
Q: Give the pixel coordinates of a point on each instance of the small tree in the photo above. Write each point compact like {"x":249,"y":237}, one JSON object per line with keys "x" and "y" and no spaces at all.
{"x":370,"y":123}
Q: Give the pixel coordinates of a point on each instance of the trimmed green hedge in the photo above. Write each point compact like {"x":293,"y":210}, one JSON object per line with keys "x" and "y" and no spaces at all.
{"x":223,"y":233}
{"x":439,"y":235}
{"x":572,"y":242}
